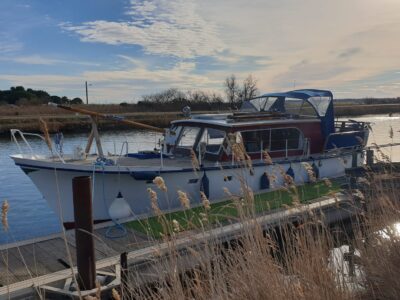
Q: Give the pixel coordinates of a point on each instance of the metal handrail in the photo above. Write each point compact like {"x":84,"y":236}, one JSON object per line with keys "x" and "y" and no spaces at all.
{"x":22,"y":135}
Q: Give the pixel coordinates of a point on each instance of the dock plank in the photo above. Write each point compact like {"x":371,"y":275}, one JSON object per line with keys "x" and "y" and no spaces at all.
{"x":31,"y":257}
{"x":122,"y":244}
{"x":6,"y":276}
{"x":16,"y":265}
{"x":51,"y":252}
{"x":102,"y":250}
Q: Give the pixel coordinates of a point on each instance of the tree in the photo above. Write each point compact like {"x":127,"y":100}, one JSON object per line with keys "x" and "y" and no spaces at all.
{"x":55,"y":99}
{"x":76,"y":101}
{"x":231,"y":89}
{"x":249,"y":89}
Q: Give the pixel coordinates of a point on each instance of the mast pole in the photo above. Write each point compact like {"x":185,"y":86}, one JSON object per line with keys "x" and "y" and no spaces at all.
{"x":107,"y":116}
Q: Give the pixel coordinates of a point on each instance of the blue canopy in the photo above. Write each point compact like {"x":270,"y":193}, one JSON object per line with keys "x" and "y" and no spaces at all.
{"x":320,"y":100}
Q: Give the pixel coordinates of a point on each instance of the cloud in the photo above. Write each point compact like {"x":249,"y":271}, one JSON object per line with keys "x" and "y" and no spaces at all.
{"x":162,"y":27}
{"x":349,"y":52}
{"x":307,"y":73}
{"x":40,"y":60}
{"x":125,"y":84}
{"x":8,"y":48}
{"x":9,"y":44}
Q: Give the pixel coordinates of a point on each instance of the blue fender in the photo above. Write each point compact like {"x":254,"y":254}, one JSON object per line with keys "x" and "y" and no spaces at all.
{"x":205,"y":185}
{"x":264,"y":181}
{"x":290,"y":172}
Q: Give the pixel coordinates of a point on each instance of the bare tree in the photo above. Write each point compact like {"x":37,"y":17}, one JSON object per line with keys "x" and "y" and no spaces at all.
{"x":231,"y":89}
{"x":249,"y":89}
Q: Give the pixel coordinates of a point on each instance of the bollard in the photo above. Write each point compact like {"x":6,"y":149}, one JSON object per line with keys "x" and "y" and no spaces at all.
{"x":82,"y":196}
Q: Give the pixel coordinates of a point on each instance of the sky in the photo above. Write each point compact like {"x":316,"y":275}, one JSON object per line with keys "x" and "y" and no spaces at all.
{"x":126,"y":48}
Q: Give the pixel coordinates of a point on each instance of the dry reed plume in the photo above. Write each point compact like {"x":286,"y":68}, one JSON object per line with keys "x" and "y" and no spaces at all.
{"x":159,"y":182}
{"x":264,"y":265}
{"x":44,"y":128}
{"x":4,"y":214}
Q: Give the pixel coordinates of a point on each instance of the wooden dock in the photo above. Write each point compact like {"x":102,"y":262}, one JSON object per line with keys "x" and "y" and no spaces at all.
{"x":28,"y":267}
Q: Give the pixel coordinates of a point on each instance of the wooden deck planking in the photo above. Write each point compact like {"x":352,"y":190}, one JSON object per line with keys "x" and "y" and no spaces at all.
{"x":6,"y":277}
{"x":101,"y":249}
{"x":16,"y":267}
{"x":54,"y":250}
{"x":132,"y":240}
{"x":30,"y":254}
{"x":42,"y":257}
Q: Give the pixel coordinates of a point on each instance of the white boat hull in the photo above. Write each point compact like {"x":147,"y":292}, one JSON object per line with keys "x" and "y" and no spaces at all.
{"x":54,"y":181}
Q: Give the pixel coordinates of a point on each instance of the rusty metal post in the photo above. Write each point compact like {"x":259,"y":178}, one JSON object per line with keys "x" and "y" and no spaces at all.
{"x":82,"y":195}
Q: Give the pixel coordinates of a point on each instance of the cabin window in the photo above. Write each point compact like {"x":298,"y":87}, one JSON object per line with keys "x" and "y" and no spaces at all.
{"x":255,"y":141}
{"x":188,"y":137}
{"x":212,"y":139}
{"x":321,"y":104}
{"x":279,"y":138}
{"x":271,"y":139}
{"x":299,"y":107}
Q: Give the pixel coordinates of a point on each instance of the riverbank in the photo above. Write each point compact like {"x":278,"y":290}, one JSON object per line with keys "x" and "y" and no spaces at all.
{"x":26,"y":118}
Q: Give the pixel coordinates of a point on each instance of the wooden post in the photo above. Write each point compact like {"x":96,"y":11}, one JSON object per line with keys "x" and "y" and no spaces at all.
{"x":82,"y":196}
{"x":89,"y":142}
{"x":97,"y":137}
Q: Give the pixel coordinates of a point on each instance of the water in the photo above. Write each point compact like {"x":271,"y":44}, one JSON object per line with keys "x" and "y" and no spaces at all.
{"x":29,"y":216}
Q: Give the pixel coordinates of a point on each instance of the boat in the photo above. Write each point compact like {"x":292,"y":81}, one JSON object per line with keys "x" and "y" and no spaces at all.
{"x":271,"y":137}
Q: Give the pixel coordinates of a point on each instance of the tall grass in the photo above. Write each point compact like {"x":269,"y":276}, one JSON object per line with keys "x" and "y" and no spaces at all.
{"x":295,"y":262}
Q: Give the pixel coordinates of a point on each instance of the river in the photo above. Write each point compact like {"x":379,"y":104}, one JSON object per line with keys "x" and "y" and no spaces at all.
{"x":29,"y":216}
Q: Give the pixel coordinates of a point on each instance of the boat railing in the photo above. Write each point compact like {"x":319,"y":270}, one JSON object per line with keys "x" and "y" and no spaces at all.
{"x":14,"y":136}
{"x":350,"y":125}
{"x":306,"y":147}
{"x":123,"y":147}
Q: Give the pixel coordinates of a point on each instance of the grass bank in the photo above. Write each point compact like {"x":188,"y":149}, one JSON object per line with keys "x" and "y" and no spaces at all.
{"x":26,"y":117}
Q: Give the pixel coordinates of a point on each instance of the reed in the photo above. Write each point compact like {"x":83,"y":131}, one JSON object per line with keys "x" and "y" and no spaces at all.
{"x":302,"y":265}
{"x":4,"y":214}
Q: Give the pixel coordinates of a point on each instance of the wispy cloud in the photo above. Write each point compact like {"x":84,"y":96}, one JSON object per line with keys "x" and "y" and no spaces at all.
{"x":163,"y":27}
{"x":349,"y":52}
{"x":8,"y":48}
{"x":40,"y":60}
{"x":126,"y":84}
{"x":9,"y":44}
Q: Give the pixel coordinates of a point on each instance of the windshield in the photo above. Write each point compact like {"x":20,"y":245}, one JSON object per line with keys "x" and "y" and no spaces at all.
{"x":188,"y":137}
{"x":312,"y":106}
{"x":212,"y":139}
{"x":261,"y":103}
